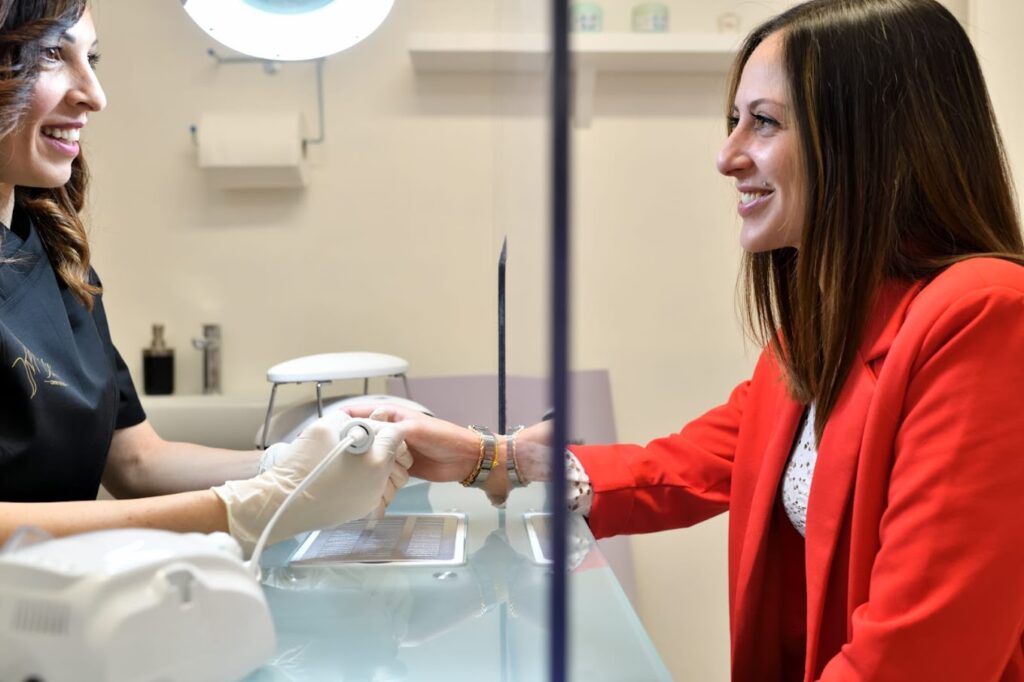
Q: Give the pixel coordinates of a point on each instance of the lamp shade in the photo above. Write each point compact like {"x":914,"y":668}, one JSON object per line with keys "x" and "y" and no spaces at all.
{"x":288,"y":30}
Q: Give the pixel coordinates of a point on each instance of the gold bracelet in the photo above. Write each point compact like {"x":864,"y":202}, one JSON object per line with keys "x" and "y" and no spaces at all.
{"x":468,"y":480}
{"x":515,"y":475}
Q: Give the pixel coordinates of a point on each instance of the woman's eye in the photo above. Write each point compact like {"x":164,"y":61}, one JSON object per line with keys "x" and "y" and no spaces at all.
{"x":731,"y":122}
{"x":762,"y":121}
{"x":94,"y":59}
{"x":51,"y":54}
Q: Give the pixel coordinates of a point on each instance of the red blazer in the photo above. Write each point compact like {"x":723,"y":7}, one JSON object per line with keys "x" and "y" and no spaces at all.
{"x":914,"y":553}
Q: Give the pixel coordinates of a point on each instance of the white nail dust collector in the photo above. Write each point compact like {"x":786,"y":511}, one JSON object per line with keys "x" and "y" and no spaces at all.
{"x":140,"y":605}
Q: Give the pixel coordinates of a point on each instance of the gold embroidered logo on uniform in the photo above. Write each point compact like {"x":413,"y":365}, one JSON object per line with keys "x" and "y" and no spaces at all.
{"x":35,"y":366}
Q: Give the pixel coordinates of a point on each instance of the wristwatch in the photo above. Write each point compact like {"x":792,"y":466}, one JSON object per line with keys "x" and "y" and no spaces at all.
{"x":515,"y":476}
{"x":488,"y":456}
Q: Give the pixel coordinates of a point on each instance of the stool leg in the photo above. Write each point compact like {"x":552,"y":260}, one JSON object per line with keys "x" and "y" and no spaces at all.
{"x":266,"y":420}
{"x":319,"y":400}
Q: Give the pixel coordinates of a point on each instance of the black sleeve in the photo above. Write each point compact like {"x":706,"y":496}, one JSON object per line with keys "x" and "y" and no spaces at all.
{"x":129,"y":409}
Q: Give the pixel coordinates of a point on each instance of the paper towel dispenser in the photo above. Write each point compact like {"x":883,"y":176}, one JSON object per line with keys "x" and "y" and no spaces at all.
{"x":267,"y":150}
{"x":252,"y":150}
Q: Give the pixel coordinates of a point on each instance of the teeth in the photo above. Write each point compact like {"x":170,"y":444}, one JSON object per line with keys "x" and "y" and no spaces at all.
{"x":749,"y":197}
{"x":66,"y":134}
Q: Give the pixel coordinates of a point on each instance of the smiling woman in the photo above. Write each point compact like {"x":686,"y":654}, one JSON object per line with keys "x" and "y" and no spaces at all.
{"x":871,"y":464}
{"x":763,"y":154}
{"x":71,"y":418}
{"x":48,"y":90}
{"x":64,"y":93}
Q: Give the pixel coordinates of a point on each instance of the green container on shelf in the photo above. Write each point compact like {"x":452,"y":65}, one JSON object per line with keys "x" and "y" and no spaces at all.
{"x":585,"y":17}
{"x":650,"y":17}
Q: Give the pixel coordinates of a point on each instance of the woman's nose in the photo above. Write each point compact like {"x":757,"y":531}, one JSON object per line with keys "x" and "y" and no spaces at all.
{"x":732,"y":157}
{"x":88,"y":92}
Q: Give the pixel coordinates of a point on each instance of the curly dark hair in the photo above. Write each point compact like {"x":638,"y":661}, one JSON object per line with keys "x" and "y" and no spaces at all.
{"x":26,"y":27}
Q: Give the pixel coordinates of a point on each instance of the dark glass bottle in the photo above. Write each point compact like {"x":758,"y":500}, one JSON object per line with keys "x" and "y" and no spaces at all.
{"x":158,"y":365}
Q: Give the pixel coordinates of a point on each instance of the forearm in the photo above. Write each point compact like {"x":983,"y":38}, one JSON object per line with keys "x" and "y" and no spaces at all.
{"x":533,"y":452}
{"x":142,"y":464}
{"x":172,"y":467}
{"x":443,"y":451}
{"x":163,"y":467}
{"x":532,"y":462}
{"x":199,"y":511}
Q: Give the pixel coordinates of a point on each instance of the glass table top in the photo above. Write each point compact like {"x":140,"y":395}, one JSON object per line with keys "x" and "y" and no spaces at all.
{"x":485,"y":619}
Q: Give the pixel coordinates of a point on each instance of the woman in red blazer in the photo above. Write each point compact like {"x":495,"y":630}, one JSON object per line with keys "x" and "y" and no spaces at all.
{"x":873,"y":466}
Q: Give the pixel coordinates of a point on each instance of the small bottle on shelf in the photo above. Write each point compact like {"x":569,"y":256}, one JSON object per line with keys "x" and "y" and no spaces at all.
{"x":158,"y":365}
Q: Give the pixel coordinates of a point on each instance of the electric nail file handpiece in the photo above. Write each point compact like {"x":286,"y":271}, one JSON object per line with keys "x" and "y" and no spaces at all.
{"x":141,"y":605}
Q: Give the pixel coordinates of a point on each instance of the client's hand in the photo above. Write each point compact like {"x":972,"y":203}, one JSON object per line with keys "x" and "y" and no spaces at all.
{"x":441,"y":451}
{"x":350,"y":487}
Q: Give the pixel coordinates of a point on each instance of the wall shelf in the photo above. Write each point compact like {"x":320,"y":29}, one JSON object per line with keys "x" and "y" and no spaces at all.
{"x":593,"y":53}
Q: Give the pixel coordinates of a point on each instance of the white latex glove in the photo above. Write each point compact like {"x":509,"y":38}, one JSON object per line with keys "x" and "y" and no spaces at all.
{"x":278,"y":452}
{"x":403,"y":458}
{"x":349,"y":488}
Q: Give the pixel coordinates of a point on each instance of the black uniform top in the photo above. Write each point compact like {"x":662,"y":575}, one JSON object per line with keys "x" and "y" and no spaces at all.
{"x":63,"y":386}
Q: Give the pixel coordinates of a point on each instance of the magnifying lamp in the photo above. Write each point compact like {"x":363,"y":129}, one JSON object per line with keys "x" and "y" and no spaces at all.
{"x":288,"y":30}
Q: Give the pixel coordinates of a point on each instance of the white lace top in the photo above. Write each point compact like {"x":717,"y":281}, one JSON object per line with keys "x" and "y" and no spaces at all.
{"x":796,"y":481}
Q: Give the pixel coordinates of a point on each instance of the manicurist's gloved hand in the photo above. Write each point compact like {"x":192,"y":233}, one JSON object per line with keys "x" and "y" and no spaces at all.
{"x":278,"y":453}
{"x":403,"y":458}
{"x":349,"y":488}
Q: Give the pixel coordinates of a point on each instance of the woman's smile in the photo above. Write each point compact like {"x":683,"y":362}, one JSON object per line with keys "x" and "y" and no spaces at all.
{"x":752,"y":200}
{"x":63,"y":139}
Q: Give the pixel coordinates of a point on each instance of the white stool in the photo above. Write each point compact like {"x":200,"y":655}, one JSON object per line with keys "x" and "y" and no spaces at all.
{"x":327,"y":367}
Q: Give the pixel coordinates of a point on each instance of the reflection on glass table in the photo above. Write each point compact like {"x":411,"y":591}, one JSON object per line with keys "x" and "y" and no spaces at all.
{"x":483,"y":620}
{"x":407,"y":539}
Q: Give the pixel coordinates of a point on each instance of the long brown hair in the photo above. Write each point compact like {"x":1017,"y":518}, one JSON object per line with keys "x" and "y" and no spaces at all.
{"x":906,"y":175}
{"x":26,"y":28}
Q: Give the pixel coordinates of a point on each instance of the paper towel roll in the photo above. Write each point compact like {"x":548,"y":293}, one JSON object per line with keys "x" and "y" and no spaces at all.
{"x":257,"y":150}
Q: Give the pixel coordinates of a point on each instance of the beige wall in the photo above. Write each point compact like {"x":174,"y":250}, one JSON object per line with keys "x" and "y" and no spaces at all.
{"x":995,"y":29}
{"x":391,"y":247}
